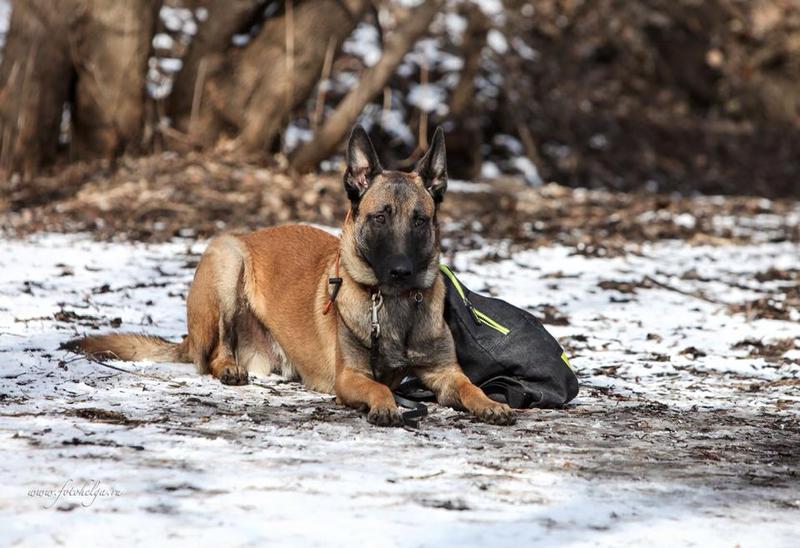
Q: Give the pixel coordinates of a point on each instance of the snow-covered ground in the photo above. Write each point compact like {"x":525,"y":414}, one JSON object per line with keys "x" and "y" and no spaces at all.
{"x":681,"y":435}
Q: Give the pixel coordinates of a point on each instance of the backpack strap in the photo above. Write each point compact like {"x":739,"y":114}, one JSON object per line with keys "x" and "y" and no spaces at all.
{"x":509,"y":390}
{"x":504,"y":389}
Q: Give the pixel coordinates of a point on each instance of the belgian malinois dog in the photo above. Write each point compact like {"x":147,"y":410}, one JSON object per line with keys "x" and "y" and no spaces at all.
{"x":350,"y":315}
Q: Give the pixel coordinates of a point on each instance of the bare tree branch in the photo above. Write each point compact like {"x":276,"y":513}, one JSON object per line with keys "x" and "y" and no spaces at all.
{"x":372,"y":82}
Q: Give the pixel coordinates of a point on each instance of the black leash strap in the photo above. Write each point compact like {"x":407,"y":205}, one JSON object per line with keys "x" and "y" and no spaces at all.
{"x":416,"y":411}
{"x":374,"y":353}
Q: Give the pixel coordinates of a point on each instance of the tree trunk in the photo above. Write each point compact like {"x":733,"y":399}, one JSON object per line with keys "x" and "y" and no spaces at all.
{"x":91,"y":53}
{"x":465,"y":134}
{"x":474,"y":40}
{"x":252,"y":91}
{"x":112,"y":43}
{"x":35,"y":78}
{"x":372,"y":82}
{"x":225,"y":18}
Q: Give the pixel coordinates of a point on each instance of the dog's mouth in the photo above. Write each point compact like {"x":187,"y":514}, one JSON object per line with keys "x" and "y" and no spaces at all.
{"x":396,"y":288}
{"x":422,"y":278}
{"x":418,"y":281}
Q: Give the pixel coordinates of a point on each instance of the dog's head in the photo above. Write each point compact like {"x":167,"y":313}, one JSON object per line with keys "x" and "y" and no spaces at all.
{"x":392,"y":238}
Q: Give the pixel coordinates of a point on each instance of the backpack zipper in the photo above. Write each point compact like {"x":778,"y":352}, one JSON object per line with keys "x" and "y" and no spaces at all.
{"x":477,"y":315}
{"x":483,"y":318}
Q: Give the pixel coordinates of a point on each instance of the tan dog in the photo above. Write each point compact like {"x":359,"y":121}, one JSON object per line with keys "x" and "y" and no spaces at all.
{"x":258,"y":301}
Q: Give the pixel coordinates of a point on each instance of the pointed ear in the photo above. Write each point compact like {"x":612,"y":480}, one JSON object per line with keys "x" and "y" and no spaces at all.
{"x":432,"y":168}
{"x":362,"y":164}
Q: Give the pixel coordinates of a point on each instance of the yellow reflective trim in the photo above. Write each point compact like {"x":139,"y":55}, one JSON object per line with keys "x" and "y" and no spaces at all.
{"x":480,"y":316}
{"x":449,"y":273}
{"x":566,"y":360}
{"x":490,"y":322}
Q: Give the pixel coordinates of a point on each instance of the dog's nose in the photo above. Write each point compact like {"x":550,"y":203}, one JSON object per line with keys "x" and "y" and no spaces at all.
{"x":400,"y":268}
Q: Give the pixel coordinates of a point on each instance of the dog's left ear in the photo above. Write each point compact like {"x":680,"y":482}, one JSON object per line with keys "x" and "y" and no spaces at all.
{"x":362,"y":164}
{"x":432,"y":168}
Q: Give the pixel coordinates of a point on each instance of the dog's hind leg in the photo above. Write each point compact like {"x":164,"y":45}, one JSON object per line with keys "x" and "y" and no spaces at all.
{"x":214,"y":306}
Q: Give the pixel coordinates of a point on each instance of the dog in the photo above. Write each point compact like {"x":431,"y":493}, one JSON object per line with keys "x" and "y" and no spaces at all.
{"x":351,"y":315}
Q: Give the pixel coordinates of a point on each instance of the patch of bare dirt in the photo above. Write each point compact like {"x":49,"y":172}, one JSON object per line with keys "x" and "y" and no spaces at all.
{"x":682,"y":95}
{"x":773,"y":351}
{"x":159,"y":197}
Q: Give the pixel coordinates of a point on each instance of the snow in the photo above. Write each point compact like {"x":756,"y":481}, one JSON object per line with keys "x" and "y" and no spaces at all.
{"x":427,"y":97}
{"x":346,"y":80}
{"x":454,"y":24}
{"x":456,"y":185}
{"x":497,"y":41}
{"x":528,"y":170}
{"x":525,"y":51}
{"x":428,"y":53}
{"x":685,"y":220}
{"x":598,"y":141}
{"x":492,"y":8}
{"x":527,"y":10}
{"x":5,"y":19}
{"x":408,"y":3}
{"x":513,"y":148}
{"x":240,"y":40}
{"x":294,"y":136}
{"x":181,"y":26}
{"x":622,"y":324}
{"x":511,"y":143}
{"x":170,"y":64}
{"x":364,"y":43}
{"x":393,"y":122}
{"x":489,"y":170}
{"x":163,"y":41}
{"x":178,"y":20}
{"x":450,"y":63}
{"x":192,"y":462}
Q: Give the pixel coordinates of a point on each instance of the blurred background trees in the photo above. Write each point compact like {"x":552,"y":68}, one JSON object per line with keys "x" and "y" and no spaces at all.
{"x":82,"y":65}
{"x":661,"y":95}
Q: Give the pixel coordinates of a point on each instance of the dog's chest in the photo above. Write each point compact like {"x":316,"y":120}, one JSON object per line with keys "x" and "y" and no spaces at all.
{"x":401,"y":321}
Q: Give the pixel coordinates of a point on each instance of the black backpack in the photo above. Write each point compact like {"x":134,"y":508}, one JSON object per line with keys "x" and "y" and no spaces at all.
{"x":504,"y":350}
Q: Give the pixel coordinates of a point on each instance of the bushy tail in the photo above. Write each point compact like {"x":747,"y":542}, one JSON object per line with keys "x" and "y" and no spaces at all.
{"x":131,"y":347}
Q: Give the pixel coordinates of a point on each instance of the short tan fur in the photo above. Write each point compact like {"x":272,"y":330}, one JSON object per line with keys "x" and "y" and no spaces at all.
{"x":257,"y":300}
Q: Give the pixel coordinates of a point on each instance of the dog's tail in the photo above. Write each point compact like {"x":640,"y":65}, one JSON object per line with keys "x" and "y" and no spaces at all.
{"x":131,"y":347}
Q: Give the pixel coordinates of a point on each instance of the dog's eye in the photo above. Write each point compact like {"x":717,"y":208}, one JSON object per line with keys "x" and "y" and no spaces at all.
{"x":380,"y":218}
{"x":419,"y":221}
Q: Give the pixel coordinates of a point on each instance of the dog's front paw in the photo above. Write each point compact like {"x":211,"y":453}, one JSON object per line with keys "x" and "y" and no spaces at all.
{"x":234,"y":375}
{"x":498,"y":413}
{"x":385,"y":416}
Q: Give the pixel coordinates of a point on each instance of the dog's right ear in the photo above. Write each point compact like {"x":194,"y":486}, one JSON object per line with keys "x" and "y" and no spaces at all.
{"x":362,"y":164}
